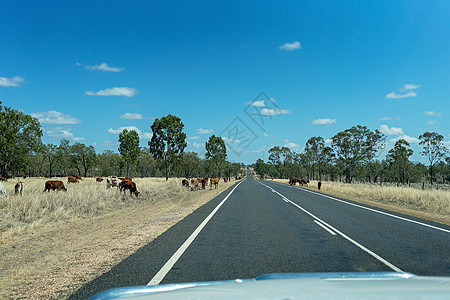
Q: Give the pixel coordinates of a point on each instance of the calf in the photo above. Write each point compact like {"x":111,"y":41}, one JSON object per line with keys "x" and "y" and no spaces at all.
{"x":99,"y":179}
{"x":185,"y":183}
{"x":54,"y":185}
{"x":72,"y":179}
{"x":18,"y":188}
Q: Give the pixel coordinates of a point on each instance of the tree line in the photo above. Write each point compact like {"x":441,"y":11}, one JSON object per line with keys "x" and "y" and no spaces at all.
{"x":24,"y":153}
{"x":353,"y":155}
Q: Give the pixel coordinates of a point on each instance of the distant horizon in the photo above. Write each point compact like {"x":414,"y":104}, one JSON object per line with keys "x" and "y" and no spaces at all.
{"x":257,"y":74}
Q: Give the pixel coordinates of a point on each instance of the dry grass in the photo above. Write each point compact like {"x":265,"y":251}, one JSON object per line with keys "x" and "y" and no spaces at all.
{"x":53,"y":243}
{"x":432,"y":205}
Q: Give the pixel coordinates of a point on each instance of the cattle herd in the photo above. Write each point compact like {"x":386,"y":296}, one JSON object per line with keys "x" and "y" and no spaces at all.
{"x":122,"y":183}
{"x":195,"y":184}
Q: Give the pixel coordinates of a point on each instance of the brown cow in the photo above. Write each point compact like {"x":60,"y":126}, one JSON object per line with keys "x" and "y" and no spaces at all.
{"x":54,"y":185}
{"x":3,"y":179}
{"x":129,"y":185}
{"x":18,"y":188}
{"x":72,"y":179}
{"x":194,"y":184}
{"x":99,"y":179}
{"x":78,"y":177}
{"x":204,"y":182}
{"x":214,"y":181}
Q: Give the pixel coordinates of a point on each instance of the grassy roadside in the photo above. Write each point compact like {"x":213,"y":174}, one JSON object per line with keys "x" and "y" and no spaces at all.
{"x":52,"y":259}
{"x":428,"y":204}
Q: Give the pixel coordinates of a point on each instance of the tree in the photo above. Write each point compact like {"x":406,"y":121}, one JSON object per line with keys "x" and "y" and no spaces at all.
{"x":20,"y":136}
{"x":52,"y":155}
{"x":64,"y":150}
{"x":433,"y":149}
{"x":83,"y":157}
{"x":356,"y":145}
{"x":168,"y":140}
{"x":398,"y":158}
{"x":275,"y":158}
{"x":129,"y":147}
{"x":189,"y":162}
{"x":216,"y":151}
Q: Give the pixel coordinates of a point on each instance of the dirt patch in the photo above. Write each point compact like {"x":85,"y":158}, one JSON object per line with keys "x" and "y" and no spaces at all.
{"x":52,"y":261}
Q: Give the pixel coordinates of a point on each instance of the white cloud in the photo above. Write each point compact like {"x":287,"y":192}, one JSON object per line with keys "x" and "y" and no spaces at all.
{"x":409,"y":139}
{"x":204,"y":131}
{"x":267,"y":135}
{"x":274,"y":111}
{"x":62,"y":133}
{"x":292,"y":145}
{"x":14,"y":81}
{"x":230,"y":141}
{"x":394,"y":95}
{"x":131,"y":116}
{"x":104,"y":68}
{"x":115,"y":91}
{"x":324,"y":121}
{"x":431,"y":122}
{"x":410,"y":86}
{"x":142,"y":135}
{"x":291,"y":46}
{"x":197,"y":145}
{"x":433,"y":113}
{"x":193,"y":137}
{"x":55,"y":117}
{"x":391,"y":131}
{"x":260,"y":103}
{"x":389,"y":118}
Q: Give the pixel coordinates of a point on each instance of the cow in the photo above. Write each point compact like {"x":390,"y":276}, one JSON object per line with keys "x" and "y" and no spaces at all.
{"x":129,"y":185}
{"x":204,"y":182}
{"x":3,"y":179}
{"x":78,"y":177}
{"x":194,"y":184}
{"x":185,"y":183}
{"x":2,"y":191}
{"x":112,"y":181}
{"x":319,"y":185}
{"x":54,"y":185}
{"x":72,"y":179}
{"x":214,"y":181}
{"x":99,"y":179}
{"x":18,"y":188}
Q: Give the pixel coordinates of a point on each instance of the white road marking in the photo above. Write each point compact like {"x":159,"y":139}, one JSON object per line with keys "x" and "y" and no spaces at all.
{"x":342,"y":234}
{"x":325,"y":227}
{"x":169,"y":264}
{"x":374,"y":210}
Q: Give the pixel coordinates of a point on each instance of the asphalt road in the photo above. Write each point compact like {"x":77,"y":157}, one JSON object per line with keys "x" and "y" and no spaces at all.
{"x":267,"y":227}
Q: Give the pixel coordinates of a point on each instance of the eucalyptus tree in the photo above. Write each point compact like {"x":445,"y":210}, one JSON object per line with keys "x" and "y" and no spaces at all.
{"x":52,"y":155}
{"x":20,"y":137}
{"x":433,"y":149}
{"x":168,"y":140}
{"x":83,"y":157}
{"x":129,"y":147}
{"x":189,"y":162}
{"x":216,"y":152}
{"x":275,"y":158}
{"x":356,"y":145}
{"x":398,"y":158}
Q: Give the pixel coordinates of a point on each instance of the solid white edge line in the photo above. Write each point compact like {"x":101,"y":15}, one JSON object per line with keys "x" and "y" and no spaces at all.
{"x":342,"y":234}
{"x":374,"y":210}
{"x":169,"y":264}
{"x":324,"y":227}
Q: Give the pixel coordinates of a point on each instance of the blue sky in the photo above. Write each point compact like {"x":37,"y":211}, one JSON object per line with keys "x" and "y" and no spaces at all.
{"x":88,"y":69}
